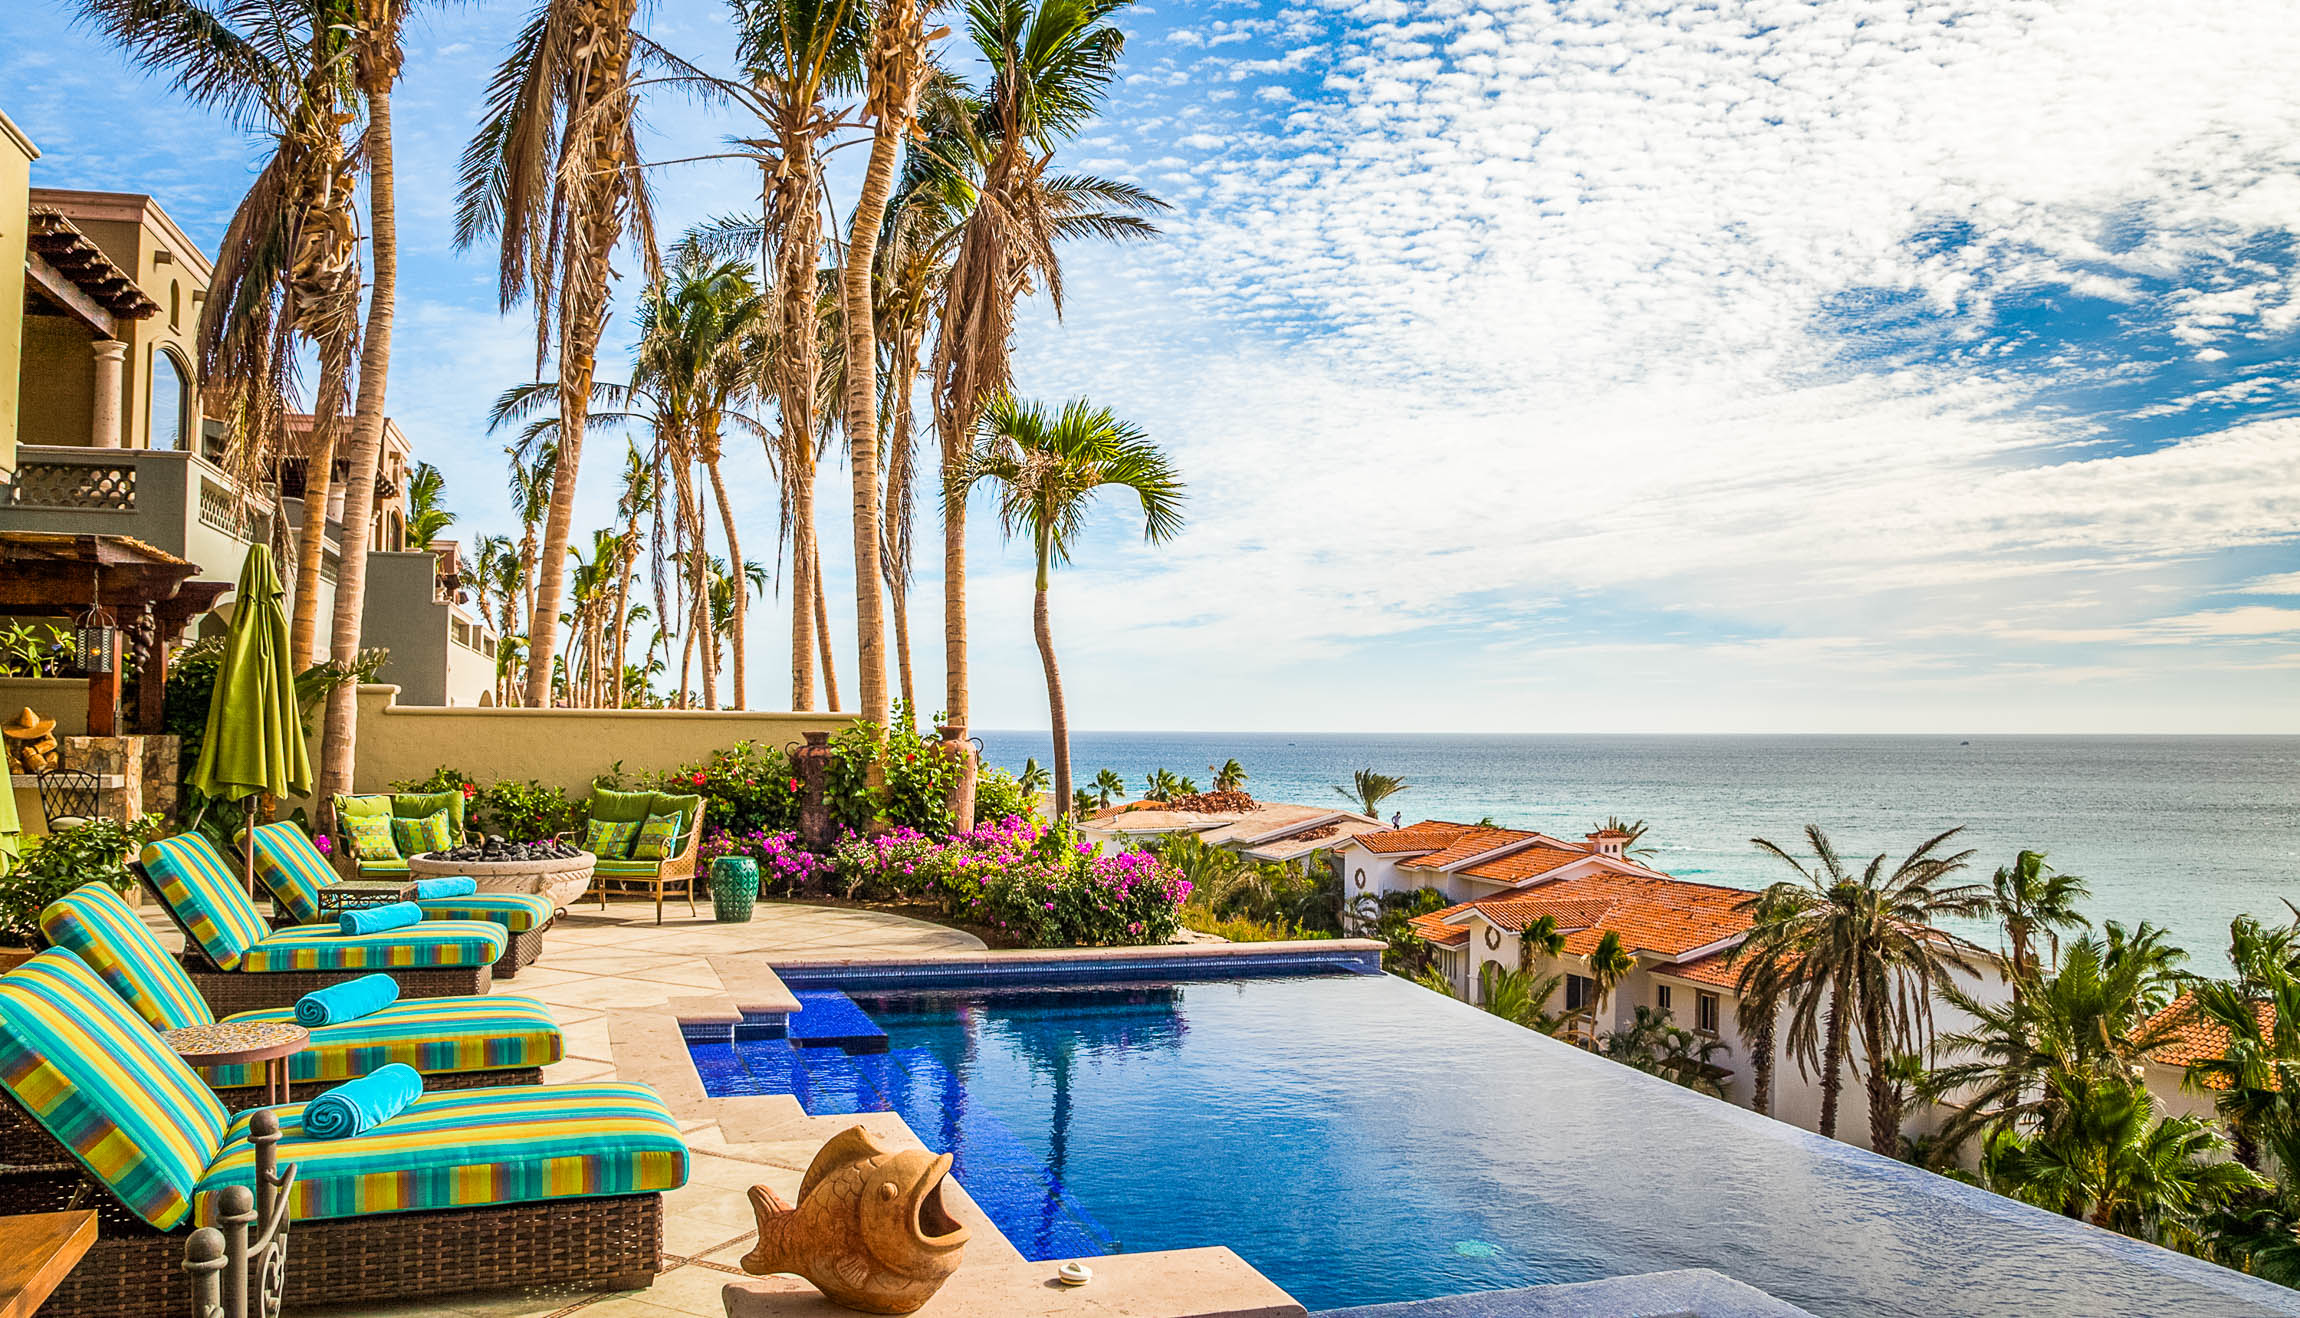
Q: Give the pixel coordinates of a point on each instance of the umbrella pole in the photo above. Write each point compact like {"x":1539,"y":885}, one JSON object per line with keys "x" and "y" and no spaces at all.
{"x":248,"y":848}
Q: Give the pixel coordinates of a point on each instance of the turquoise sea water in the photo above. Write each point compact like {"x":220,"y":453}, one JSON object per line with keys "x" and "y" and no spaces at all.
{"x":2186,"y":831}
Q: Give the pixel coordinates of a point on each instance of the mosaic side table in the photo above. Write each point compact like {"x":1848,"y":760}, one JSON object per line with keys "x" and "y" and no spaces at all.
{"x":352,"y":895}
{"x":227,"y":1043}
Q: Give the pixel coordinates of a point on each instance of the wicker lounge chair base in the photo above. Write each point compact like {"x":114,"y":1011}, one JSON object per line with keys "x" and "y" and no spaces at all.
{"x":609,"y":1243}
{"x":230,"y":992}
{"x":522,"y":949}
{"x":26,"y":1143}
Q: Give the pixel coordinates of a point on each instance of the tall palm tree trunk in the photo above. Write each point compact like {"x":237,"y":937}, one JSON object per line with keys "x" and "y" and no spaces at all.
{"x":1761,"y":1069}
{"x":804,"y":588}
{"x":311,"y":540}
{"x":1884,"y":1098}
{"x":597,"y":220}
{"x":735,"y":621}
{"x":899,"y":598}
{"x":954,"y":678}
{"x":1057,"y":713}
{"x":628,"y":555}
{"x":339,"y":736}
{"x":1833,"y":1057}
{"x":706,"y":638}
{"x":823,"y":635}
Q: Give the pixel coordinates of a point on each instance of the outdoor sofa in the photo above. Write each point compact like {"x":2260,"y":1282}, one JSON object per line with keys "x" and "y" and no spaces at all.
{"x":675,"y":871}
{"x":239,"y":963}
{"x":473,"y":1189}
{"x":394,"y":805}
{"x":294,"y":872}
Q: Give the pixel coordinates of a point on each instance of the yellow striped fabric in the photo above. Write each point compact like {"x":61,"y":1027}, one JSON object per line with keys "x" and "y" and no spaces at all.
{"x":196,"y":884}
{"x":471,"y":1148}
{"x":99,"y":1080}
{"x":432,"y":944}
{"x":433,"y":1035}
{"x":97,"y":925}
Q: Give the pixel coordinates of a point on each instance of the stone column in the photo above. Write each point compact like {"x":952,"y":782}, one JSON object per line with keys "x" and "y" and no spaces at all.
{"x":811,"y":764}
{"x":111,"y":368}
{"x":956,"y":746}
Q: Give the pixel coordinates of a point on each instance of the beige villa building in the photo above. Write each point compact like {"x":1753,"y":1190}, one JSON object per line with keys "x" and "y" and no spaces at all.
{"x":102,"y":432}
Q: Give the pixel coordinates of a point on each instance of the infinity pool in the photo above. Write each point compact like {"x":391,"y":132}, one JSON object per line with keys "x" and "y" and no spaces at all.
{"x":1361,"y":1139}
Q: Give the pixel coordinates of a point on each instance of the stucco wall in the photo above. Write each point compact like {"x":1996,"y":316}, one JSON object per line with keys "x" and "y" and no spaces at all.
{"x":64,"y":699}
{"x":16,"y":153}
{"x":565,"y":747}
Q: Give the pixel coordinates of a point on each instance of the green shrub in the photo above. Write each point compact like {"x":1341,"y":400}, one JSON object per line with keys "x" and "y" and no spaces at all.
{"x":57,"y":863}
{"x":1240,"y":929}
{"x":746,"y":788}
{"x":521,"y":811}
{"x":1000,"y":795}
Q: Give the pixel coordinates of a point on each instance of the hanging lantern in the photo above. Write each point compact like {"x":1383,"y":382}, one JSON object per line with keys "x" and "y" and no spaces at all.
{"x":96,"y":640}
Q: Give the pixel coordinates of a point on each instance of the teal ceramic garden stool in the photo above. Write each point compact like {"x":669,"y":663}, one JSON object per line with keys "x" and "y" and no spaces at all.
{"x":734,"y":888}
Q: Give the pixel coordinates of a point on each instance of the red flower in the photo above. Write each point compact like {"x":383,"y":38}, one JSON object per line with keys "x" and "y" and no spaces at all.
{"x":470,"y":790}
{"x":794,"y":784}
{"x":698,"y":780}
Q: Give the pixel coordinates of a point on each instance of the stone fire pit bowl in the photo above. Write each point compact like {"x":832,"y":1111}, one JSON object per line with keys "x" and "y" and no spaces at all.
{"x":563,"y":881}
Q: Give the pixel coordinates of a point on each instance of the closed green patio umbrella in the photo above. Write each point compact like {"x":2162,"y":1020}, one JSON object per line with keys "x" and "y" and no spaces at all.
{"x":254,"y":743}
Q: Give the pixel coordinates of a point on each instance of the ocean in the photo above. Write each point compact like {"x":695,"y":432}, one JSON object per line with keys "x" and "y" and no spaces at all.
{"x":2188,"y":832}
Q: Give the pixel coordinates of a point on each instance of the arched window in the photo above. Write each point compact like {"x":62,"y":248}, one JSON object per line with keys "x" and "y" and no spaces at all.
{"x":170,"y":412}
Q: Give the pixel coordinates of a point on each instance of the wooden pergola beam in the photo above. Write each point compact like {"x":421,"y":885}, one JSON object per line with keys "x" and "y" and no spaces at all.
{"x":60,"y":289}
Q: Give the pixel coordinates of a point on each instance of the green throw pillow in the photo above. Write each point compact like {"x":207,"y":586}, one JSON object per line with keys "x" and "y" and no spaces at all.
{"x":658,"y":838}
{"x":610,"y":839}
{"x":370,"y":836}
{"x":432,"y":832}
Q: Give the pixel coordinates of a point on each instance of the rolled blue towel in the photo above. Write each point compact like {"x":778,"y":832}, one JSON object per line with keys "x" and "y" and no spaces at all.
{"x":347,"y":1001}
{"x":377,"y":919}
{"x":361,"y":1105}
{"x":458,"y":886}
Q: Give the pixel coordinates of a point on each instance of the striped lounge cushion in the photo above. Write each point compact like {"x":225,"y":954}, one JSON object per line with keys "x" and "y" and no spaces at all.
{"x":100,"y":1081}
{"x":100,"y":928}
{"x":195,"y":883}
{"x":517,"y":912}
{"x":383,"y":869}
{"x":293,"y":869}
{"x":430,"y":945}
{"x":430,"y":1034}
{"x":469,"y":1148}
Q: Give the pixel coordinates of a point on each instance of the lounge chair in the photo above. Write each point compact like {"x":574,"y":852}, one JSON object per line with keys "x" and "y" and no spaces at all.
{"x":294,"y":872}
{"x":464,"y":1190}
{"x":656,"y":876}
{"x":397,"y":805}
{"x":240,"y":964}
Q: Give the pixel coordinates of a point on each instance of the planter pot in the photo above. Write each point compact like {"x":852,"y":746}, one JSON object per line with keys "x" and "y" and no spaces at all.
{"x":12,"y":957}
{"x":734,"y":888}
{"x":563,"y":881}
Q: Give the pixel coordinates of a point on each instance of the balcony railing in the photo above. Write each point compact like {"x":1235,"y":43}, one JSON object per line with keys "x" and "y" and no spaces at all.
{"x":104,"y":485}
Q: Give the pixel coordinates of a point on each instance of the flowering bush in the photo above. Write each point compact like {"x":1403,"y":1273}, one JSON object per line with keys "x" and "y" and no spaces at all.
{"x":902,"y":864}
{"x":746,"y":788}
{"x":785,"y":868}
{"x":1043,"y":889}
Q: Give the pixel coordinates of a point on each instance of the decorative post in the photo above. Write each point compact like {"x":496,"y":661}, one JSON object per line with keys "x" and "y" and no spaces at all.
{"x":104,"y":421}
{"x":956,"y":746}
{"x":811,"y":763}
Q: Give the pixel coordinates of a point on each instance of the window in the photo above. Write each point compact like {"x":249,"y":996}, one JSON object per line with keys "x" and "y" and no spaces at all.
{"x":1580,"y":991}
{"x":171,"y":394}
{"x":1661,"y":998}
{"x":1705,"y":1012}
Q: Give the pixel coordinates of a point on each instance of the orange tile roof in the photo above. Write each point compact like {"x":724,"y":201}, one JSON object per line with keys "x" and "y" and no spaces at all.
{"x":2194,"y":1037}
{"x":1533,"y":862}
{"x":1665,"y":916}
{"x":1711,"y":969}
{"x":1428,"y":835}
{"x":1474,"y":842}
{"x":1433,"y":929}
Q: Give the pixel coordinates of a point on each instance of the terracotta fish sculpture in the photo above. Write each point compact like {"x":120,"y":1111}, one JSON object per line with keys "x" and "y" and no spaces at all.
{"x":870,"y":1229}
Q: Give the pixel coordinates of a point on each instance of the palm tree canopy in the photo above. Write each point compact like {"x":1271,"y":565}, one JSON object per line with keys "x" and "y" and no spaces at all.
{"x":1369,"y":789}
{"x":1048,"y":466}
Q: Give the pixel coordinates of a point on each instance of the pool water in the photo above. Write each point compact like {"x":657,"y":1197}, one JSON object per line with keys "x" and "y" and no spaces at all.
{"x":1360,"y":1139}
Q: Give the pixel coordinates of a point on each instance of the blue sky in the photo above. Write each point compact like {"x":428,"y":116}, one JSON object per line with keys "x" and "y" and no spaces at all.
{"x":1601,"y":366}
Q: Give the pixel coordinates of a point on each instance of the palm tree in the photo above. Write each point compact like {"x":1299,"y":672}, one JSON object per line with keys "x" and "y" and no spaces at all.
{"x":2260,"y":1232}
{"x":1369,"y":789}
{"x":2112,"y":1162}
{"x":1229,"y":776}
{"x":2030,"y":899}
{"x":288,"y":267}
{"x":426,"y":506}
{"x":2089,"y":1019}
{"x":1540,"y":938}
{"x":1108,"y":787}
{"x":1521,"y":998}
{"x":1161,"y":785}
{"x":1767,"y":982}
{"x":2254,"y":1080}
{"x":1654,"y":1044}
{"x":1052,"y":64}
{"x":896,"y":68}
{"x":1870,"y":946}
{"x":1047,"y":467}
{"x":554,"y":175}
{"x":1033,"y":778}
{"x":1609,"y":964}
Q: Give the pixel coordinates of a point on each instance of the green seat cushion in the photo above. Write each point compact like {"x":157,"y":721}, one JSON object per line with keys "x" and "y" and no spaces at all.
{"x":470,"y":1148}
{"x":689,"y":809}
{"x":627,"y":869}
{"x":97,"y":925}
{"x":291,"y":867}
{"x":433,"y":1035}
{"x":434,"y":944}
{"x":517,"y":912}
{"x":206,"y":900}
{"x":416,"y":805}
{"x":621,"y":807}
{"x":383,"y":869}
{"x":421,"y":833}
{"x":99,"y":1080}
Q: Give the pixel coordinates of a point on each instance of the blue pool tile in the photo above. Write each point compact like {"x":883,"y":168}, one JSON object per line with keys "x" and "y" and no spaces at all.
{"x":830,"y":1019}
